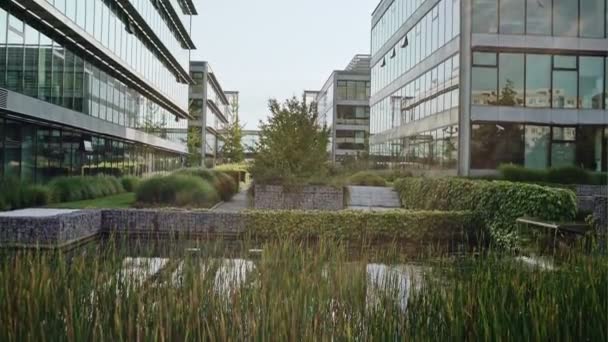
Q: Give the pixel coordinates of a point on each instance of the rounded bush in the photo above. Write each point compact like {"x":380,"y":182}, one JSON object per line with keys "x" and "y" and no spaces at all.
{"x":226,"y":186}
{"x":130,"y":183}
{"x":69,"y":189}
{"x":366,"y":179}
{"x":205,"y":174}
{"x":177,"y":190}
{"x":36,"y":195}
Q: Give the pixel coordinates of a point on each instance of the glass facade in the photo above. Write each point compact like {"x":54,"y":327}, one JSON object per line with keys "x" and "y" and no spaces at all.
{"x":538,"y":146}
{"x":37,"y":153}
{"x":539,"y":80}
{"x":431,"y":150}
{"x":438,"y":27}
{"x":104,"y":22}
{"x":35,"y":64}
{"x":433,"y":91}
{"x":562,"y":18}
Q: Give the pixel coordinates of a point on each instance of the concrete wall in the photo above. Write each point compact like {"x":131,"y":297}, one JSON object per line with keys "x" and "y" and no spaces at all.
{"x":275,"y":197}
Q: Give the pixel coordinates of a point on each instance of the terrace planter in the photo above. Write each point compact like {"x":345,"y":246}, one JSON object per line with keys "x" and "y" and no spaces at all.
{"x":278,"y":197}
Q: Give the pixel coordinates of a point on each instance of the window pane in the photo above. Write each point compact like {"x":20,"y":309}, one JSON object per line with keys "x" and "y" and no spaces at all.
{"x":563,"y":154}
{"x":565,"y":18}
{"x":565,"y":62}
{"x":537,"y":146}
{"x":484,"y":86}
{"x":496,"y":144}
{"x":538,"y":81}
{"x":485,"y":16}
{"x":591,"y":82}
{"x":592,"y":17}
{"x":484,"y":58}
{"x":511,"y":79}
{"x":539,"y":17}
{"x":512,"y":16}
{"x":589,"y":145}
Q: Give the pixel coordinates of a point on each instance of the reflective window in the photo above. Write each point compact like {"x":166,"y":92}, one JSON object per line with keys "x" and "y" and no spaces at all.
{"x":485,"y":79}
{"x":485,"y":16}
{"x":512,"y":16}
{"x":538,"y":80}
{"x":538,"y":19}
{"x":592,"y":14}
{"x":495,"y":144}
{"x":565,"y":82}
{"x":591,"y":82}
{"x":511,"y":79}
{"x":537,"y":144}
{"x":565,"y":18}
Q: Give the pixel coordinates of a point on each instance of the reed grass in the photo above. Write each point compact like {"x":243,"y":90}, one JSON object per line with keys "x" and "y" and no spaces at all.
{"x":294,"y":292}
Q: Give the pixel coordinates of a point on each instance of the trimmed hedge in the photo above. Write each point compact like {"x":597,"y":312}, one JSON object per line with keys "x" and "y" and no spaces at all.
{"x":177,"y":191}
{"x":69,"y":189}
{"x":416,"y":226}
{"x":366,"y":179}
{"x":562,"y":175}
{"x":15,"y":194}
{"x":498,"y":203}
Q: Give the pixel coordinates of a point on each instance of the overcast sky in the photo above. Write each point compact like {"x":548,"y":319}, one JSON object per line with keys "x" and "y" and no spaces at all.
{"x":277,"y":48}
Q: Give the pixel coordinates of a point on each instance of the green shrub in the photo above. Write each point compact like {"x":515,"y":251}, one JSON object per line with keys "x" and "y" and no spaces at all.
{"x":130,"y":183}
{"x":416,"y":226}
{"x":599,"y":178}
{"x":15,"y":194}
{"x":498,"y":203}
{"x":225,"y":186}
{"x":562,"y":175}
{"x":366,"y":179}
{"x":177,"y":190}
{"x":207,"y":175}
{"x":515,"y":173}
{"x":393,"y":175}
{"x":568,"y":175}
{"x":69,"y":189}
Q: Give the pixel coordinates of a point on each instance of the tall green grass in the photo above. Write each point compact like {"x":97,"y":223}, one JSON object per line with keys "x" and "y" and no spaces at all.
{"x":295,"y":292}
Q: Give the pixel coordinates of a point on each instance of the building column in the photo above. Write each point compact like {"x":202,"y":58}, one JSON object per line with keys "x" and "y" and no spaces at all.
{"x":464,"y":113}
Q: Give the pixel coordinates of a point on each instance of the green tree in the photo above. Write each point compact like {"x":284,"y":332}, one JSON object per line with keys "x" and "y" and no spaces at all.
{"x":292,"y":146}
{"x":233,"y":151}
{"x":194,"y":146}
{"x":508,"y":95}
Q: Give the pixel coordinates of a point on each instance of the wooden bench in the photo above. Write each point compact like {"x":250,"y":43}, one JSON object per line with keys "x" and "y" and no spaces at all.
{"x":572,"y":229}
{"x":565,"y":227}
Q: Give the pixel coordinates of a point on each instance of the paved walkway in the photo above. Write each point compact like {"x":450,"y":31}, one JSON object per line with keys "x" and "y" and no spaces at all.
{"x":373,"y":198}
{"x":238,"y":203}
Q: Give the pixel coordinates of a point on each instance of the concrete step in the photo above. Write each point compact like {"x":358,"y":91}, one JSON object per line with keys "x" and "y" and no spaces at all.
{"x":373,"y":197}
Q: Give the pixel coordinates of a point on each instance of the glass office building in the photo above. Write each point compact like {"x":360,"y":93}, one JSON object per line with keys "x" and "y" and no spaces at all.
{"x":343,"y":106}
{"x":211,"y":107}
{"x":463,"y":86}
{"x":93,"y":87}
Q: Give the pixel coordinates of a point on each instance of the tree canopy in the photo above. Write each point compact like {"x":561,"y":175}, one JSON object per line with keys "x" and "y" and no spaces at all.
{"x":293,"y":145}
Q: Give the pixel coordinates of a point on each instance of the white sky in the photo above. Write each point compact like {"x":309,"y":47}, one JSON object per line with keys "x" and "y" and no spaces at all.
{"x":277,"y":48}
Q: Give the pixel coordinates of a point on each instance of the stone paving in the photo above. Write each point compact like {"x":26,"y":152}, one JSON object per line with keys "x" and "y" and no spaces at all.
{"x":237,"y":204}
{"x":373,"y":198}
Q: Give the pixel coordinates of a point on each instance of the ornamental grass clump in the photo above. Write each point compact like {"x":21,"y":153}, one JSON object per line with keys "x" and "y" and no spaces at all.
{"x":187,"y":291}
{"x":366,"y":179}
{"x":70,"y":189}
{"x":16,"y":194}
{"x":176,"y":191}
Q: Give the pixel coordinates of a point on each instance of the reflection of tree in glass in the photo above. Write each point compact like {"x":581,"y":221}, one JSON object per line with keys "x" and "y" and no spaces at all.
{"x":508,"y":95}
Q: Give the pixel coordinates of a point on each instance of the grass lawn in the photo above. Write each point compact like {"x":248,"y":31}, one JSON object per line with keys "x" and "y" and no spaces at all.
{"x":125,"y":200}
